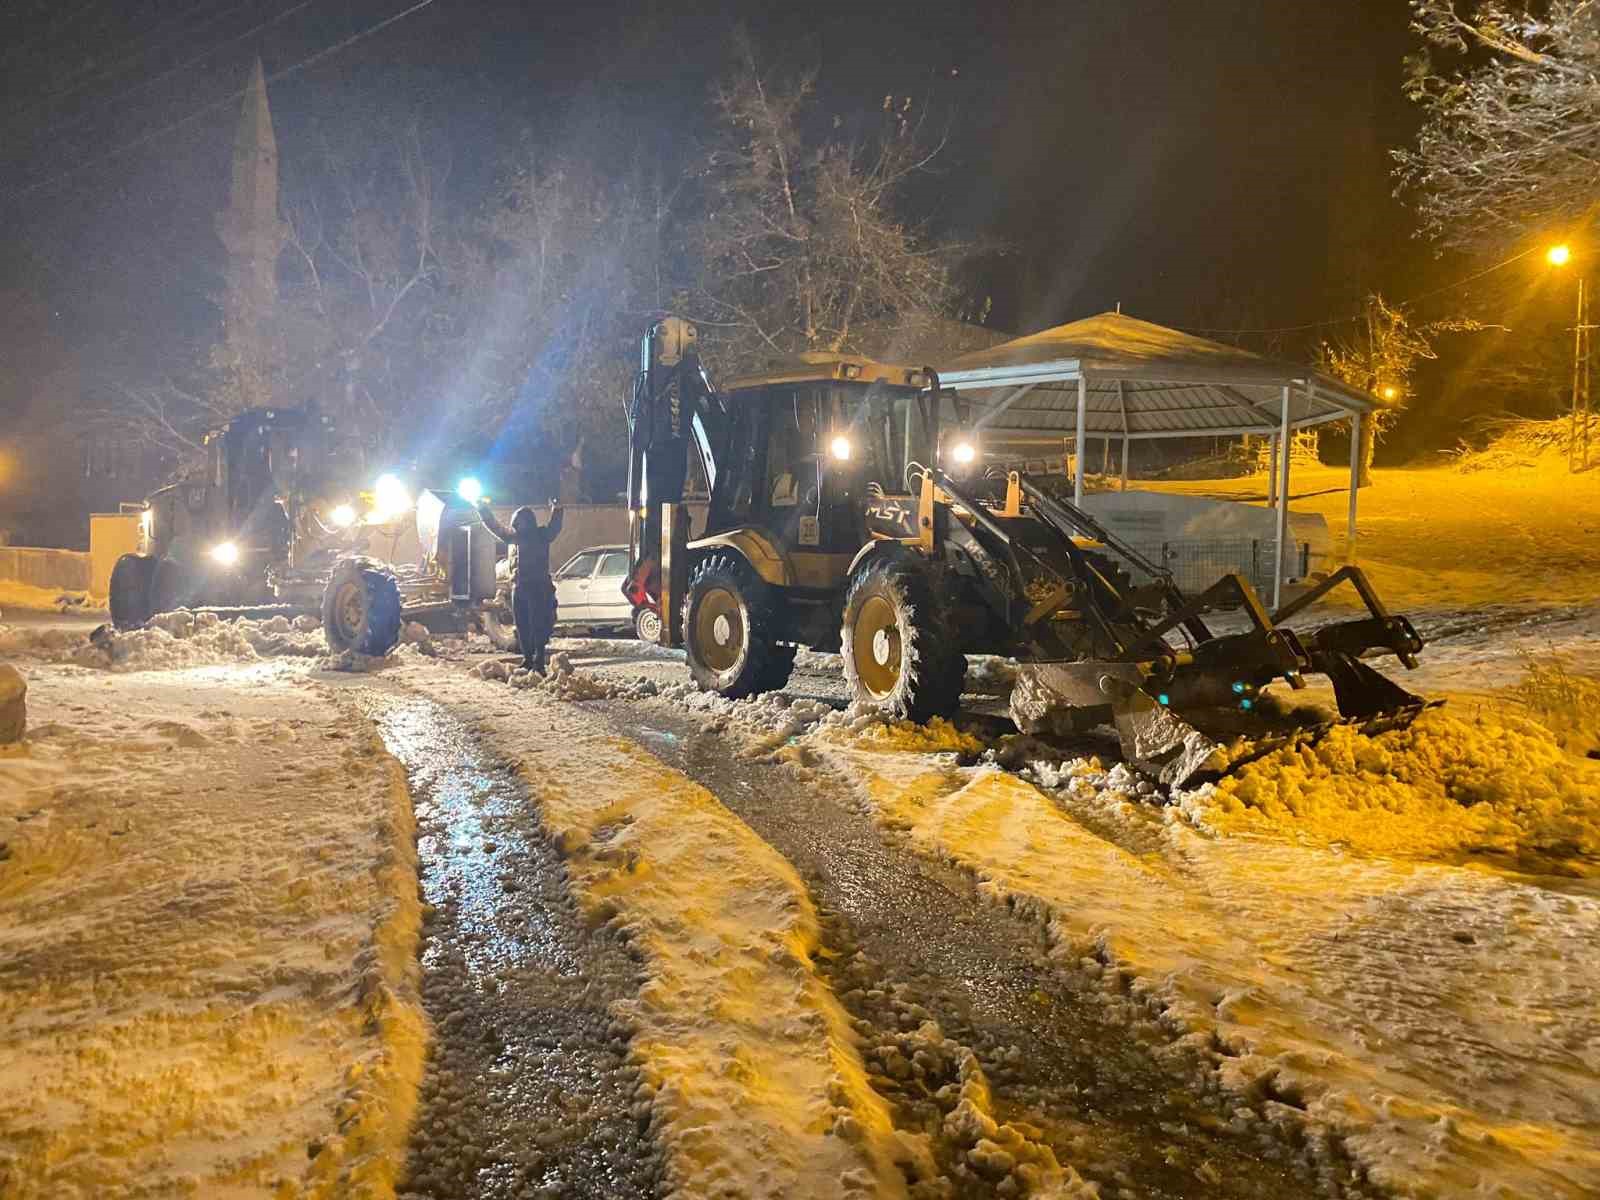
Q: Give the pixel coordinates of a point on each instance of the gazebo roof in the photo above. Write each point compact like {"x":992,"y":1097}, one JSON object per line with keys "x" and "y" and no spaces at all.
{"x":1142,"y":381}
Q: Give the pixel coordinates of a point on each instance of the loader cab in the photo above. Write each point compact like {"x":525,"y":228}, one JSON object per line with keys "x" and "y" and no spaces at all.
{"x":810,"y":448}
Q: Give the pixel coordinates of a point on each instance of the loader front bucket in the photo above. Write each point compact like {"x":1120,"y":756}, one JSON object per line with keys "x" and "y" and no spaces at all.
{"x":1066,"y":698}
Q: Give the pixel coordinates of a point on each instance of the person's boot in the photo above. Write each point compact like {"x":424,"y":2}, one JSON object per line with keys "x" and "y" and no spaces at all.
{"x":538,"y":664}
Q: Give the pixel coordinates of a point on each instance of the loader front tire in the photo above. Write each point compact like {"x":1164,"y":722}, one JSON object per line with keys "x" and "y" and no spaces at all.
{"x":361,"y":609}
{"x":133,"y":591}
{"x":899,"y":652}
{"x":730,"y":621}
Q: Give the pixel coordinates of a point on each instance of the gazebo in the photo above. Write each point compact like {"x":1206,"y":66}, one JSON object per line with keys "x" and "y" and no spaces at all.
{"x":1114,"y":376}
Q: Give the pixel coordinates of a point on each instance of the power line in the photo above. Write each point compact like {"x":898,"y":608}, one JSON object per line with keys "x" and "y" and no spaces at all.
{"x":62,"y":22}
{"x":145,"y":139}
{"x":201,"y":57}
{"x":1361,"y":316}
{"x":119,"y":64}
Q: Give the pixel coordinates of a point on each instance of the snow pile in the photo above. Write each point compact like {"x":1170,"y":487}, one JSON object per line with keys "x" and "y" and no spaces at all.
{"x":561,"y":682}
{"x":172,"y":641}
{"x":1448,"y":783}
{"x":874,"y":729}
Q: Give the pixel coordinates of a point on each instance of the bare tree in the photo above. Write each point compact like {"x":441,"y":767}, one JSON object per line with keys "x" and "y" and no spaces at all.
{"x":1510,"y":146}
{"x":1381,"y":359}
{"x":804,"y":240}
{"x":368,"y":237}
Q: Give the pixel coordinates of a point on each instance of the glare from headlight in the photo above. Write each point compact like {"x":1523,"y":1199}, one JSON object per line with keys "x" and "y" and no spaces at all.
{"x":470,"y":490}
{"x":390,"y":498}
{"x":226,"y":553}
{"x":963,"y":452}
{"x":840,"y":448}
{"x":343,"y":516}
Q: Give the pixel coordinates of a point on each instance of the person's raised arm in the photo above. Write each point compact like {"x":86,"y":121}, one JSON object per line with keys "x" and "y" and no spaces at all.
{"x":552,"y":528}
{"x":492,"y":523}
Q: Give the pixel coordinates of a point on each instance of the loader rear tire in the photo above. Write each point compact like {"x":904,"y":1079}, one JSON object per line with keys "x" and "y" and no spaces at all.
{"x":730,"y":618}
{"x":133,"y":591}
{"x":361,"y":609}
{"x":898,"y":649}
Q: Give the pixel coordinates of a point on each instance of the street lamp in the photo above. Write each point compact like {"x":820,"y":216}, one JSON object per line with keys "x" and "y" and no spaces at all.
{"x":1560,"y":255}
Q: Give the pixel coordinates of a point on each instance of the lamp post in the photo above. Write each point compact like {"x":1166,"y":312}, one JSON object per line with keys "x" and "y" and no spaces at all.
{"x":1578,"y":440}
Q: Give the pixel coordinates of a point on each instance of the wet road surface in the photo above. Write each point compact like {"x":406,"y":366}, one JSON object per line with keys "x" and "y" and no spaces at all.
{"x":526,"y":1092}
{"x":910,"y":940}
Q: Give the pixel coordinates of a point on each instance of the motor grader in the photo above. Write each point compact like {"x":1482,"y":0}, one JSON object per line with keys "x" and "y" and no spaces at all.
{"x":850,"y":512}
{"x":286,"y":521}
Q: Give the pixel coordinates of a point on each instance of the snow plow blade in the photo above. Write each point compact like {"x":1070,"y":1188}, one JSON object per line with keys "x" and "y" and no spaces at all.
{"x":1184,"y":716}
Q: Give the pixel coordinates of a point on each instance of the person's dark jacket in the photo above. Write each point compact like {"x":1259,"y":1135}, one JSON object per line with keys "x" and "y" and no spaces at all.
{"x":530,"y":547}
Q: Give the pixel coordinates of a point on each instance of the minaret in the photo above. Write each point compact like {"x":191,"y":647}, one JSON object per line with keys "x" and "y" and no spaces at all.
{"x":253,"y":234}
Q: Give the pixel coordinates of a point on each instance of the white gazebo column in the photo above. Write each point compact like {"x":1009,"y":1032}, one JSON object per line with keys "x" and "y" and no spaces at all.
{"x":1355,"y":487}
{"x":1122,"y":405}
{"x":1083,"y":410}
{"x":1283,"y":503}
{"x":1272,"y":469}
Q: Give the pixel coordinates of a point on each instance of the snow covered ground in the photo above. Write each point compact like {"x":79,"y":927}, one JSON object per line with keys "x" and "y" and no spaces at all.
{"x":1374,"y":947}
{"x":1438,"y":537}
{"x":751,"y":1071}
{"x":208,"y":921}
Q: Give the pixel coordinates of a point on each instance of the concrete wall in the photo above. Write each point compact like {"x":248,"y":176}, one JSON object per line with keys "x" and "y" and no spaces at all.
{"x":67,"y":570}
{"x":111,"y":535}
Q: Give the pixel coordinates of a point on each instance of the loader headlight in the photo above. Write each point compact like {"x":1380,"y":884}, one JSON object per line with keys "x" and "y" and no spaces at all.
{"x":963,"y":453}
{"x":470,"y":490}
{"x":147,"y":522}
{"x":343,"y":516}
{"x":389,"y":499}
{"x":225,"y":553}
{"x":840,"y":448}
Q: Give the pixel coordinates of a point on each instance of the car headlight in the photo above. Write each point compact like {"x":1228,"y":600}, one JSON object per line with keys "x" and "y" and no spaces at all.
{"x":343,"y":516}
{"x":225,"y":553}
{"x":840,"y":447}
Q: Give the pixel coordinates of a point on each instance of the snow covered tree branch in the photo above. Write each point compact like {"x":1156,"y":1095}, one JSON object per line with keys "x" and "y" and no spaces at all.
{"x":1510,"y":145}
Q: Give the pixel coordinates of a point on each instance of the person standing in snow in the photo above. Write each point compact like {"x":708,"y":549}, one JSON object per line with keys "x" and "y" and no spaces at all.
{"x":533,"y":595}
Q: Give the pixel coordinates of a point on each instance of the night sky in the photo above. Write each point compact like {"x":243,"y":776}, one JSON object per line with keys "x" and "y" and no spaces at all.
{"x":1207,"y":164}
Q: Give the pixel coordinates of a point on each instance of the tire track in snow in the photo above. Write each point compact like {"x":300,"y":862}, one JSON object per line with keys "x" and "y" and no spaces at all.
{"x":527,"y":1090}
{"x":911,"y":941}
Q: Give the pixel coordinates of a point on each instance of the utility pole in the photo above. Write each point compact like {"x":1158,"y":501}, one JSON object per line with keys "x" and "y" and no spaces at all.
{"x":1578,"y":439}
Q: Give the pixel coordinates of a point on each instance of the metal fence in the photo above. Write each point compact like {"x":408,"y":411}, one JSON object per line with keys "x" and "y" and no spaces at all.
{"x":1197,"y":563}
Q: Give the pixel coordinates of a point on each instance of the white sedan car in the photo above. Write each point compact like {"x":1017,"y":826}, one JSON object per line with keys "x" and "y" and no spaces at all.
{"x":589,"y":593}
